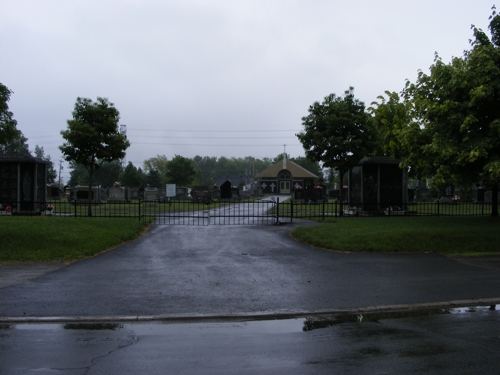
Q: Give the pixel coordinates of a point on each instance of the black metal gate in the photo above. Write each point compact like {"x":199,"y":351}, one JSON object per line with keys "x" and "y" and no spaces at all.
{"x":230,"y":212}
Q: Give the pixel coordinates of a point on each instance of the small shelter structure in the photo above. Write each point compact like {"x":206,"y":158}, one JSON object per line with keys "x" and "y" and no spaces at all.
{"x":284,"y":177}
{"x":23,"y":180}
{"x":378,"y":184}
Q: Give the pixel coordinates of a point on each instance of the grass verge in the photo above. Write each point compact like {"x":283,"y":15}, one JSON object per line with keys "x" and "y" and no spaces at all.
{"x":450,"y":236}
{"x":28,"y":239}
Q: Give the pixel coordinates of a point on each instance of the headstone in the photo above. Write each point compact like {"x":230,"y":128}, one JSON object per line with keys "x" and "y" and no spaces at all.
{"x":214,"y":192}
{"x":151,"y":195}
{"x":80,"y":194}
{"x":298,"y":192}
{"x":182,"y":193}
{"x":53,"y":192}
{"x":225,"y":190}
{"x":334,"y":194}
{"x":117,"y":194}
{"x":132,"y":194}
{"x":201,"y":193}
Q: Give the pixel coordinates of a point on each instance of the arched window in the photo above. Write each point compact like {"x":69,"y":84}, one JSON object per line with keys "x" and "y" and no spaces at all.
{"x":284,"y":175}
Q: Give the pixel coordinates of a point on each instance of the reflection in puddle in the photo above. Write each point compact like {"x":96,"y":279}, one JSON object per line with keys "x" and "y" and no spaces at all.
{"x":275,"y":326}
{"x":318,"y":323}
{"x":93,"y":326}
{"x":471,"y":309}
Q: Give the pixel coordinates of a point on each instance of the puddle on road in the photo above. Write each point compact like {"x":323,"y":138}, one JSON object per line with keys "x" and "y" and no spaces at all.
{"x":160,"y":328}
{"x":319,"y":322}
{"x":93,"y":326}
{"x":275,"y":326}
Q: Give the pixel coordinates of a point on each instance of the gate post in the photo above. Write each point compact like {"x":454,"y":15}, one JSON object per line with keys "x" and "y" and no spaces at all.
{"x":277,"y":211}
{"x":139,"y":209}
{"x":291,"y":211}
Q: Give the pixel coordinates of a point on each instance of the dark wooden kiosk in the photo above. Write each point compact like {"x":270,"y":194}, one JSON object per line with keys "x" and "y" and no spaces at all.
{"x":378,"y":185}
{"x":23,"y":180}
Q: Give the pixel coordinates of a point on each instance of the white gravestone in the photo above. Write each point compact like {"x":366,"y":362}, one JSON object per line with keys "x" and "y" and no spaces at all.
{"x":116,"y":194}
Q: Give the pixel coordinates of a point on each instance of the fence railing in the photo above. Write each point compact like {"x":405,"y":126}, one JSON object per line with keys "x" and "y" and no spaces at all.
{"x":286,"y":210}
{"x":324,"y":210}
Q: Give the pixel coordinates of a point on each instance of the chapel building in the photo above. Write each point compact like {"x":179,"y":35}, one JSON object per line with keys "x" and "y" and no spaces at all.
{"x":284,"y":177}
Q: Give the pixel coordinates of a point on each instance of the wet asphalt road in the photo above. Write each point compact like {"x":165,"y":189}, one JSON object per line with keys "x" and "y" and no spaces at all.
{"x":195,"y":271}
{"x":466,"y":343}
{"x":223,"y":270}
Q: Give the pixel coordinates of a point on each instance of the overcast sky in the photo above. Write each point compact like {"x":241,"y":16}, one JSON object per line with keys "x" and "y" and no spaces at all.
{"x":215,"y":77}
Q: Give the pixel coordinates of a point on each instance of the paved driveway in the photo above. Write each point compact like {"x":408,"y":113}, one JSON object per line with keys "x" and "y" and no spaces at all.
{"x":196,"y":270}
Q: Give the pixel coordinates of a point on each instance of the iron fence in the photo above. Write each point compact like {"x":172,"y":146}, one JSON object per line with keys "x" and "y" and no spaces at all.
{"x":237,"y":212}
{"x":324,"y":210}
{"x":65,"y":208}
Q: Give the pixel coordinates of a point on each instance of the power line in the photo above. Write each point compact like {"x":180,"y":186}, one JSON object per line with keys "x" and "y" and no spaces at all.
{"x":212,"y":131}
{"x":210,"y":145}
{"x":208,"y":137}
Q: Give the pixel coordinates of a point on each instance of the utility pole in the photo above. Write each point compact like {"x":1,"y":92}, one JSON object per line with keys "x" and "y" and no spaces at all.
{"x":60,"y":169}
{"x":123,"y":130}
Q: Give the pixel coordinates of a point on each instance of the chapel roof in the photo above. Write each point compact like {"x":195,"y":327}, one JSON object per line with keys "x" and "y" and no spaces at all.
{"x":296,"y":170}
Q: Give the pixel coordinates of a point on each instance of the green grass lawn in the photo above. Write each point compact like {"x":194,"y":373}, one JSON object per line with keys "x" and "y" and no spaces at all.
{"x":42,"y":238}
{"x":451,"y":236}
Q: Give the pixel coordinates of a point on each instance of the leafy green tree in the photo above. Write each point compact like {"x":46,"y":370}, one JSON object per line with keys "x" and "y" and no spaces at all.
{"x":16,"y":146}
{"x":93,"y":137}
{"x":78,"y":175}
{"x":391,"y":116}
{"x":8,"y":126}
{"x":153,"y":178}
{"x":205,"y":168}
{"x":51,"y":172}
{"x":458,"y":106}
{"x":131,"y":177}
{"x":338,"y":132}
{"x":158,"y":163}
{"x":12,"y":140}
{"x":181,"y":171}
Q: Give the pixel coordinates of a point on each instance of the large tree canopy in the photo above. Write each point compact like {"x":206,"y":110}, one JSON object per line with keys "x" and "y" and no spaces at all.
{"x":8,"y":131}
{"x":131,"y":177}
{"x":92,"y":137}
{"x":159,"y":165}
{"x":458,"y":105}
{"x":181,"y":171}
{"x":12,"y":141}
{"x":338,"y":132}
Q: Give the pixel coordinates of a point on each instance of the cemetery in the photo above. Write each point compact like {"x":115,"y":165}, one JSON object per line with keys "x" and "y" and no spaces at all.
{"x":375,"y":187}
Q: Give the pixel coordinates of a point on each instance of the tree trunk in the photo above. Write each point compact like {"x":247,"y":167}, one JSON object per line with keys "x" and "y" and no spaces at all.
{"x":341,"y":192}
{"x":494,"y":200}
{"x":89,"y":210}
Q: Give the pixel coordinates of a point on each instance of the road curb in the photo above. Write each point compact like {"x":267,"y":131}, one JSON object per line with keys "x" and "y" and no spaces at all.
{"x":247,"y":316}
